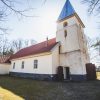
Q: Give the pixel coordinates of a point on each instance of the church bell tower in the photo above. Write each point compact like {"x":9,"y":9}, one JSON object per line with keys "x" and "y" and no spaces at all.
{"x":69,"y":27}
{"x":73,"y":47}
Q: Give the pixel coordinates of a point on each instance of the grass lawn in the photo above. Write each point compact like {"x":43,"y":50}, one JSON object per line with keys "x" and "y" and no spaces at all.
{"x":43,"y":90}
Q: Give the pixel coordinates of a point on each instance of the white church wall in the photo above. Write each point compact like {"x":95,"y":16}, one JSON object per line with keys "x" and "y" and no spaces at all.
{"x":55,"y":59}
{"x":82,"y":39}
{"x":4,"y":69}
{"x":85,"y":59}
{"x":44,"y":65}
{"x":70,"y":43}
{"x":83,"y":46}
{"x":73,"y":60}
{"x":71,"y":21}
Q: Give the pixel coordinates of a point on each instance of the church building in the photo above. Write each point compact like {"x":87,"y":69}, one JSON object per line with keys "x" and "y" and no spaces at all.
{"x":67,"y":50}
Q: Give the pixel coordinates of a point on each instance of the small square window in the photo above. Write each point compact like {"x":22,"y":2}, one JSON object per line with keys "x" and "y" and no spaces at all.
{"x":22,"y":64}
{"x":35,"y":64}
{"x":14,"y":65}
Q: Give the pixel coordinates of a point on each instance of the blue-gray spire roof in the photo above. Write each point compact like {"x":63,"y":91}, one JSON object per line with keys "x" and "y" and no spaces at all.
{"x":67,"y":11}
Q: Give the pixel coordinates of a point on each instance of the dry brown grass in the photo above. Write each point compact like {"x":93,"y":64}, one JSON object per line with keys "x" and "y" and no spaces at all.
{"x":8,"y":95}
{"x":98,"y":75}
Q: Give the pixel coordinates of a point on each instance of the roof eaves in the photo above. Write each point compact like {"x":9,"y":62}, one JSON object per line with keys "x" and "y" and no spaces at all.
{"x":35,"y":55}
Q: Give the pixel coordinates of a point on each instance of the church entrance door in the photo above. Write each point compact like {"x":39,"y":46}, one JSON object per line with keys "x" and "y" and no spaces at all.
{"x":66,"y":73}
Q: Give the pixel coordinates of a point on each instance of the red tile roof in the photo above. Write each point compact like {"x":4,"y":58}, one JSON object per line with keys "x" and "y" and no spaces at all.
{"x":4,"y":59}
{"x":35,"y":49}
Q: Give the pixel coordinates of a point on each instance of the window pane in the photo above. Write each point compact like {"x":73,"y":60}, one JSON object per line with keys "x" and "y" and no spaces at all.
{"x":23,"y":65}
{"x":35,"y":64}
{"x":13,"y":65}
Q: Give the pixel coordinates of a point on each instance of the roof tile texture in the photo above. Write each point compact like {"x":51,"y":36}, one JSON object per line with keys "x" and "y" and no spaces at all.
{"x":36,"y":49}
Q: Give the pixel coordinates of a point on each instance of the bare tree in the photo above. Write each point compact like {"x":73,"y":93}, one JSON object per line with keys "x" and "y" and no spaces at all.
{"x":8,"y":47}
{"x":8,"y":7}
{"x":94,"y":6}
{"x":94,"y":49}
{"x":32,"y":42}
{"x":5,"y":46}
{"x":96,"y":45}
{"x":20,"y":43}
{"x":29,"y":42}
{"x":26,"y":43}
{"x":17,"y":44}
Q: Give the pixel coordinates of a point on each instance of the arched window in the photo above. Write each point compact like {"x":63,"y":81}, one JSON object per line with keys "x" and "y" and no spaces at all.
{"x":65,"y":24}
{"x":65,"y":33}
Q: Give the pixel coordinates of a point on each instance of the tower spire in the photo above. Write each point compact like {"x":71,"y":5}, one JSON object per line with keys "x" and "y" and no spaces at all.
{"x":67,"y":11}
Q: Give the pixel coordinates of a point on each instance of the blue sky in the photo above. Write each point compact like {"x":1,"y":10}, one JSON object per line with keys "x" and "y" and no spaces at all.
{"x":38,"y":28}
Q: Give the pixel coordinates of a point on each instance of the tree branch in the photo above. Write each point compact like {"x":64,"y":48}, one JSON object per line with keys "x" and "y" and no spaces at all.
{"x":94,"y":6}
{"x":20,"y":12}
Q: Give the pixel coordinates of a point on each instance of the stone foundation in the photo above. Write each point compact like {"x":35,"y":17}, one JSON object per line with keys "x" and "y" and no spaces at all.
{"x":78,"y":77}
{"x":49,"y":77}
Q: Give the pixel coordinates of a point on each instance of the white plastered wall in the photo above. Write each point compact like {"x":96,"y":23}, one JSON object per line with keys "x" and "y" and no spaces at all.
{"x":4,"y":69}
{"x":55,"y":59}
{"x":73,"y":60}
{"x":70,"y":43}
{"x":71,"y":21}
{"x":44,"y":64}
